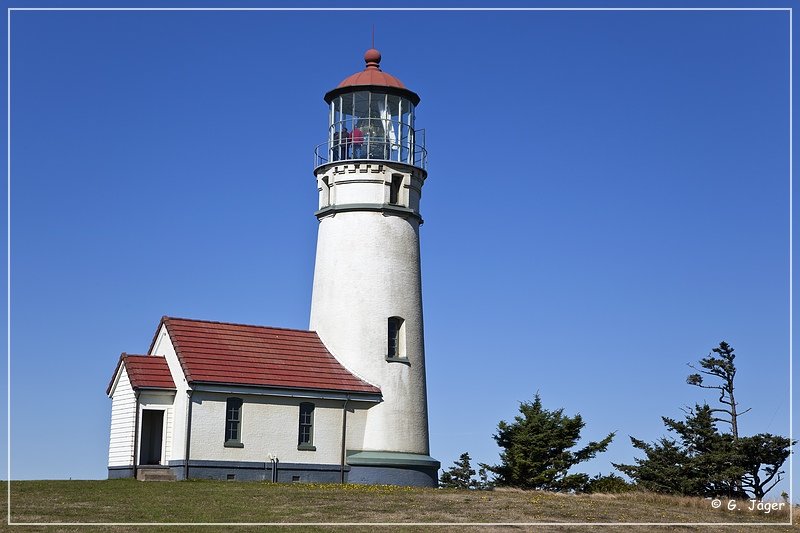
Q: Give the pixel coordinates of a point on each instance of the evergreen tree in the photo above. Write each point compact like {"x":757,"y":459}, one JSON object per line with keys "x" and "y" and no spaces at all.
{"x":663,"y":468}
{"x":762,"y":452}
{"x":703,"y":461}
{"x":713,"y":464}
{"x":537,"y":449}
{"x":700,"y":462}
{"x":459,"y":476}
{"x":484,"y":483}
{"x":719,"y":364}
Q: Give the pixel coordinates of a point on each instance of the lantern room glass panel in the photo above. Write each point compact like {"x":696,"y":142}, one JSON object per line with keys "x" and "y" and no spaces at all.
{"x":371,"y":125}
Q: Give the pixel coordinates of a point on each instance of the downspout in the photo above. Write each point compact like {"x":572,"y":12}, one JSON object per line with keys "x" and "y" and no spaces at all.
{"x":344,"y":436}
{"x":188,"y":433}
{"x":135,"y":431}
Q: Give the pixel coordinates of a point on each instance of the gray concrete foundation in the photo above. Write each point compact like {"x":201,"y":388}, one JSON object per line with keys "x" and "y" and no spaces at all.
{"x":408,"y":476}
{"x":257,"y":471}
{"x":392,"y":468}
{"x":120,"y":472}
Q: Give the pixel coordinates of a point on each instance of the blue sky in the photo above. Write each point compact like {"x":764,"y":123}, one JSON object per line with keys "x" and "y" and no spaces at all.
{"x":607,"y":199}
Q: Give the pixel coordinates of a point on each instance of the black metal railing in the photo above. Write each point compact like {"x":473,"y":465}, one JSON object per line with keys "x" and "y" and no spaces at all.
{"x":372,"y":138}
{"x":370,"y":147}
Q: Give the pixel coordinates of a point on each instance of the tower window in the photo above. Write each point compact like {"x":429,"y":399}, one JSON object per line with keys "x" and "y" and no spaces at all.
{"x":395,"y":347}
{"x":305,"y":435}
{"x":325,"y":200}
{"x":233,"y":423}
{"x":394,"y":188}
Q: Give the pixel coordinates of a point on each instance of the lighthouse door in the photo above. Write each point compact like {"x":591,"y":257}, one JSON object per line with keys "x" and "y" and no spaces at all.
{"x":152,"y":433}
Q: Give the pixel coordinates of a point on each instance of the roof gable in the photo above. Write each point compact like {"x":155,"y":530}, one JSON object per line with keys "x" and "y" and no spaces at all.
{"x":239,"y":354}
{"x":144,"y":372}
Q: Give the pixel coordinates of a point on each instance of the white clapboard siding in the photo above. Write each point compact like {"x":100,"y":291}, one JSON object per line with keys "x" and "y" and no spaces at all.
{"x":123,"y":421}
{"x":168,"y":434}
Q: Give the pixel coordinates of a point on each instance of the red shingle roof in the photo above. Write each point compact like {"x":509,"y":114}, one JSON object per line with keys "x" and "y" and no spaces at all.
{"x":145,"y":371}
{"x":237,"y":354}
{"x":372,"y":78}
{"x":372,"y":74}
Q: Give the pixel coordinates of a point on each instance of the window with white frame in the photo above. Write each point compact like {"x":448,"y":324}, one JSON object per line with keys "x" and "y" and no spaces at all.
{"x":305,"y":434}
{"x":233,"y":422}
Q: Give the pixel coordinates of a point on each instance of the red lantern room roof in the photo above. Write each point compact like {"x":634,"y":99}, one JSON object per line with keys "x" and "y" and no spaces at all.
{"x":372,"y":78}
{"x":372,"y":74}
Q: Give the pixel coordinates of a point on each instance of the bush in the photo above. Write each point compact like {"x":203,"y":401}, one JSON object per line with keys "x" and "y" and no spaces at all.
{"x":610,"y":484}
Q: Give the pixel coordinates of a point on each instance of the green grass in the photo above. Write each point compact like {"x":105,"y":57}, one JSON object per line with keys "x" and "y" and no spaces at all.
{"x":212,"y":501}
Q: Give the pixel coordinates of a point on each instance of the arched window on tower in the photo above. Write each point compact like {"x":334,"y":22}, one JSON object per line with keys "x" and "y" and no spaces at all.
{"x":396,"y":342}
{"x":325,"y":192}
{"x":395,"y":189}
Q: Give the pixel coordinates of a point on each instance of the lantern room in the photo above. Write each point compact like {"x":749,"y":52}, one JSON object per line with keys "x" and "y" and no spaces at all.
{"x":371,"y":116}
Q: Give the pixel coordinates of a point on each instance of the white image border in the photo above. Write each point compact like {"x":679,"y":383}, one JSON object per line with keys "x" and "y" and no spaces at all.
{"x":381,"y":9}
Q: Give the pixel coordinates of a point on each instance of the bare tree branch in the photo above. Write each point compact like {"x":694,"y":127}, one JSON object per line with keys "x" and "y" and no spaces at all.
{"x":776,"y":482}
{"x":726,"y":411}
{"x":707,"y":386}
{"x":776,"y":472}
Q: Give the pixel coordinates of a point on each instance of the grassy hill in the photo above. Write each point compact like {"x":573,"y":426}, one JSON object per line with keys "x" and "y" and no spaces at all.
{"x":212,"y":501}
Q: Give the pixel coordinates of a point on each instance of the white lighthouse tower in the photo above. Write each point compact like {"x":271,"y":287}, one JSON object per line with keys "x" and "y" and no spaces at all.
{"x":367,"y":297}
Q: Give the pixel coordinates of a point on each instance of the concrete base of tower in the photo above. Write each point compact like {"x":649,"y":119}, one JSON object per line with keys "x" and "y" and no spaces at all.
{"x":392,"y":468}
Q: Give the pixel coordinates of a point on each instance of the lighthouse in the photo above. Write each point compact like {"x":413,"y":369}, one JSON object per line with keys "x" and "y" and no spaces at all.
{"x":366,"y":303}
{"x":344,"y":401}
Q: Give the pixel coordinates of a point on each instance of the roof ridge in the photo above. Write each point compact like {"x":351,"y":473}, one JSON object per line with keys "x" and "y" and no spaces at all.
{"x":165,"y":317}
{"x":261,"y":356}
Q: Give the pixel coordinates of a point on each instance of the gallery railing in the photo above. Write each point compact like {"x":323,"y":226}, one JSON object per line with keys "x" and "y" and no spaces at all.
{"x":344,"y":146}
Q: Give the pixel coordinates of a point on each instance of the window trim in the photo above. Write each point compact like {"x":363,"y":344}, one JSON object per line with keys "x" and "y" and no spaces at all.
{"x":308,"y":445}
{"x":237,"y":442}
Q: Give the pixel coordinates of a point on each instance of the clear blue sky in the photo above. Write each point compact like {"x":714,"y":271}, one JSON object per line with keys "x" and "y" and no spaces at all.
{"x":607,"y":199}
